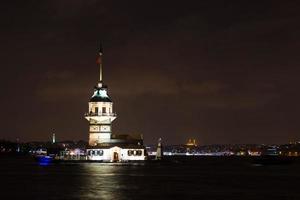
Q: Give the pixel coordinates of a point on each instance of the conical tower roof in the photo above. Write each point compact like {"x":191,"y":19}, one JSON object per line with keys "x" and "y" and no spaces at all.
{"x":100,"y":91}
{"x":100,"y":95}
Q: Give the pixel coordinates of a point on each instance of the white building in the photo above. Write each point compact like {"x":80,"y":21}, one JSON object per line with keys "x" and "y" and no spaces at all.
{"x":103,"y":145}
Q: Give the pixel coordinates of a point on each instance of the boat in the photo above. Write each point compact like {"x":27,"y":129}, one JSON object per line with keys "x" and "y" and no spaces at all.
{"x":44,"y":159}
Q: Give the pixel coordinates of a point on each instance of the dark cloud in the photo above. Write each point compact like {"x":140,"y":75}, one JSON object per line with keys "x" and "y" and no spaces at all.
{"x":219,"y":71}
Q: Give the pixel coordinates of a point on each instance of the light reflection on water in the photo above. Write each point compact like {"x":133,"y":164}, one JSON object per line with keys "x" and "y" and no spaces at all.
{"x":105,"y":181}
{"x":201,"y":178}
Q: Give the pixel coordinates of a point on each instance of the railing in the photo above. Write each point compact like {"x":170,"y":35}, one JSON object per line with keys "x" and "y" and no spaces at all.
{"x":100,"y":114}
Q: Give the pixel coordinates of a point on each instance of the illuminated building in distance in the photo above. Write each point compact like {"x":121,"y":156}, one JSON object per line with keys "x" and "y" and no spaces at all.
{"x":191,"y":142}
{"x":103,"y":145}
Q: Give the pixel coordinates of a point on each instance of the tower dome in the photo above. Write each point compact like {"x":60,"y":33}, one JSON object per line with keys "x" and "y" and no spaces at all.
{"x":100,"y":95}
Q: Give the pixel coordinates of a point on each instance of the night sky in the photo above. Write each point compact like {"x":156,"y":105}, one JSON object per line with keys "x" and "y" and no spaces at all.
{"x":219,"y":71}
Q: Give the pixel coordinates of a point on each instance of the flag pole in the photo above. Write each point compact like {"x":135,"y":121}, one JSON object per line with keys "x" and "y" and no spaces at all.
{"x":100,"y":63}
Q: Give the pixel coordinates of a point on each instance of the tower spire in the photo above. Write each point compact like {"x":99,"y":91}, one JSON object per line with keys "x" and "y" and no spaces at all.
{"x":99,"y":62}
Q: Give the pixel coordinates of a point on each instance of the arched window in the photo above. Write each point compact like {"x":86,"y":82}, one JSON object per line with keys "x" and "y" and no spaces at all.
{"x":139,"y":152}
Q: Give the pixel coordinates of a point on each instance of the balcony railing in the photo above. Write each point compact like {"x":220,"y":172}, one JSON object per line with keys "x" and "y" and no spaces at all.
{"x":100,"y":114}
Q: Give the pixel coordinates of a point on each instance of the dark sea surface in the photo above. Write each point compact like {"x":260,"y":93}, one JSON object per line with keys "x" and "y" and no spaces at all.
{"x":177,"y":178}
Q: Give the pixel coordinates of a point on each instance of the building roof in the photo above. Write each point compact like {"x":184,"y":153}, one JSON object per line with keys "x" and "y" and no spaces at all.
{"x":120,"y":145}
{"x":100,"y":95}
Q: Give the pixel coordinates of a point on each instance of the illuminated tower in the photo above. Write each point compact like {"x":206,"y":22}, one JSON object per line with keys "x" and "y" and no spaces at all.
{"x":159,"y":152}
{"x":100,"y":115}
{"x":53,"y":138}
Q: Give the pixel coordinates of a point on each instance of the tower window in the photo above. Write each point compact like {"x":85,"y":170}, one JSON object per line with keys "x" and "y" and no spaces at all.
{"x":100,"y":152}
{"x":103,"y":109}
{"x":96,"y":109}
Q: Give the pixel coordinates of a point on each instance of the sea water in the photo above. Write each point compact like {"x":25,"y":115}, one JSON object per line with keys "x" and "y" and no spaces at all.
{"x":176,"y":178}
